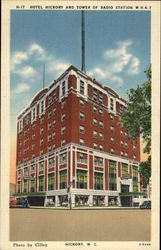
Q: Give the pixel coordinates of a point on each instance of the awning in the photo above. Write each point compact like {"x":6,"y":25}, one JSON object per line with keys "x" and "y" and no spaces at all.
{"x":29,"y":194}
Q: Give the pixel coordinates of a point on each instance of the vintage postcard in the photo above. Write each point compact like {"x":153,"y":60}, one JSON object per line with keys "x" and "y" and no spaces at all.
{"x":80,"y":117}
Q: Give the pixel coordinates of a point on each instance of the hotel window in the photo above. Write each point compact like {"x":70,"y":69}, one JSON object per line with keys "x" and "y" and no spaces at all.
{"x":41,"y":142}
{"x":18,"y":187}
{"x":121,"y":132}
{"x":49,"y":137}
{"x":62,"y":143}
{"x":98,"y":181}
{"x":49,"y":125}
{"x":42,"y":107}
{"x":63,"y":116}
{"x":81,"y":102}
{"x":98,"y":161}
{"x":41,"y":152}
{"x":126,"y":154}
{"x":101,"y":124}
{"x":19,"y":173}
{"x":101,"y":147}
{"x":33,"y":156}
{"x":122,"y":143}
{"x":126,"y":145}
{"x":32,"y":186}
{"x":122,"y":154}
{"x":126,"y":134}
{"x":32,"y":168}
{"x":81,"y":158}
{"x":82,"y":116}
{"x":111,"y":104}
{"x":51,"y":181}
{"x":95,"y":94}
{"x":54,"y":94}
{"x":41,"y":166}
{"x":63,"y":88}
{"x":41,"y":131}
{"x":134,"y":157}
{"x":81,"y":129}
{"x":121,"y":109}
{"x":53,"y":146}
{"x":100,"y":97}
{"x":33,"y":114}
{"x":81,"y":141}
{"x":25,"y":184}
{"x":135,"y":178}
{"x":27,"y":119}
{"x":95,"y":109}
{"x":112,"y":117}
{"x":63,"y":179}
{"x":20,"y":125}
{"x":112,"y":140}
{"x":62,"y":130}
{"x":81,"y":179}
{"x":134,"y":147}
{"x":124,"y":169}
{"x":50,"y":100}
{"x":101,"y":112}
{"x":33,"y":125}
{"x":49,"y":149}
{"x":95,"y":134}
{"x":95,"y":122}
{"x":41,"y":183}
{"x":42,"y":120}
{"x":49,"y":114}
{"x":33,"y":146}
{"x":53,"y":135}
{"x":82,"y":87}
{"x":112,"y":176}
{"x":54,"y":122}
{"x":95,"y":145}
{"x":54,"y":111}
{"x":51,"y":162}
{"x":63,"y":104}
{"x":101,"y":136}
{"x":25,"y":142}
{"x":112,"y":151}
{"x":63,"y":158}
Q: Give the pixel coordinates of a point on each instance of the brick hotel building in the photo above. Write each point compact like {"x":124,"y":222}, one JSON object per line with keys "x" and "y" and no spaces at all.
{"x":72,"y":149}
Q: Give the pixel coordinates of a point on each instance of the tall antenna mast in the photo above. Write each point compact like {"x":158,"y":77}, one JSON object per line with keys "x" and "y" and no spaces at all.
{"x":43,"y":75}
{"x":83,"y":41}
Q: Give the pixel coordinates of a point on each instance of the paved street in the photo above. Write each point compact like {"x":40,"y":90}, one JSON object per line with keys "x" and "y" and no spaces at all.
{"x":79,"y":225}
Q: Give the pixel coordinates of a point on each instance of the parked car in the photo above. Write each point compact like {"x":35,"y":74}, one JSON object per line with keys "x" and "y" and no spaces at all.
{"x":18,"y":203}
{"x":146,"y":204}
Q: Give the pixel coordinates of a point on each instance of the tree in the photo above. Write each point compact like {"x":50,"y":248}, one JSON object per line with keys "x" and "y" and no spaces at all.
{"x":137,"y":120}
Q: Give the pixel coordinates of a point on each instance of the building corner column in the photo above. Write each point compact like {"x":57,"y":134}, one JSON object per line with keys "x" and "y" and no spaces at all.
{"x":91,"y":200}
{"x":56,"y":201}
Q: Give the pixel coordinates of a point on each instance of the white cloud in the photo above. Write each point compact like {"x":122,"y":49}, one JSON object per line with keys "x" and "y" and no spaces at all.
{"x":17,"y":58}
{"x":21,"y":88}
{"x":37,"y":50}
{"x":26,"y":72}
{"x":134,"y":66}
{"x":116,"y":61}
{"x":57,"y":67}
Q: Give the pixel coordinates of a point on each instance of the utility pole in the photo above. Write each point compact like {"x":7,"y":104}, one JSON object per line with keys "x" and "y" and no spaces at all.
{"x":83,"y":40}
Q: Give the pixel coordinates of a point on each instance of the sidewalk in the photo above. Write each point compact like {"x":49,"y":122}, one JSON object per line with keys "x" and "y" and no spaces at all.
{"x":86,"y":208}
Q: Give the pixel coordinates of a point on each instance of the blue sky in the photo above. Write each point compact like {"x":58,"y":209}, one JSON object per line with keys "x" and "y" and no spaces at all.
{"x":117,"y":50}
